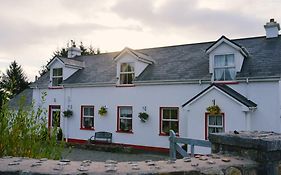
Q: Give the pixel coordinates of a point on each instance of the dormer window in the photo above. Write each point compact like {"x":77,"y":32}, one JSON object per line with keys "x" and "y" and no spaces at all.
{"x":127,"y":73}
{"x":57,"y":77}
{"x":224,"y":67}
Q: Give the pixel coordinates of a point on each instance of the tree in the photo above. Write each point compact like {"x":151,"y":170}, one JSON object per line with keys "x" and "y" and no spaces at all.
{"x":15,"y":80}
{"x":62,"y":52}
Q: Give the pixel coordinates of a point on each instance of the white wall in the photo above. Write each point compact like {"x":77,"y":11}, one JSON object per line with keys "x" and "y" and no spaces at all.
{"x":192,"y":123}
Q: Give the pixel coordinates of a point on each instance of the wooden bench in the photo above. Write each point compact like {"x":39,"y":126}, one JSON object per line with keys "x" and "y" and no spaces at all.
{"x":101,"y":136}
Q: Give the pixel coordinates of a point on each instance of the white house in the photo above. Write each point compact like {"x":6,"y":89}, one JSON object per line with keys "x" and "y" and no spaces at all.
{"x":174,"y":85}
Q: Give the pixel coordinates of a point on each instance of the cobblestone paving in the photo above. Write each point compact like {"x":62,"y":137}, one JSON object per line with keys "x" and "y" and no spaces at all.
{"x":76,"y":154}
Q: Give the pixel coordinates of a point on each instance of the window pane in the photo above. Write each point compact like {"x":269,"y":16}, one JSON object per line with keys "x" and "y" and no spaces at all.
{"x":126,"y":124}
{"x":219,"y":120}
{"x":127,"y":67}
{"x":170,"y":125}
{"x":229,"y":61}
{"x":57,"y":72}
{"x":174,"y":114}
{"x":212,"y":120}
{"x":166,"y":114}
{"x":88,"y":122}
{"x":88,"y":111}
{"x":230,"y":73}
{"x":56,"y":81}
{"x":126,"y":112}
{"x":126,"y":78}
{"x":219,"y":60}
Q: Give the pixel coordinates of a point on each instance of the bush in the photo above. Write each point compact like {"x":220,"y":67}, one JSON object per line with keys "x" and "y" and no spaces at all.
{"x":24,"y":133}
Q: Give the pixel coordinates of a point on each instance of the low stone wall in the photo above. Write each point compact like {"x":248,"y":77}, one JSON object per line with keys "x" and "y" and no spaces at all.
{"x":262,"y":147}
{"x":199,"y":165}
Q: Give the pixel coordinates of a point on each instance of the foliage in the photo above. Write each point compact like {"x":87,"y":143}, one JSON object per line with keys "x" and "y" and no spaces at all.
{"x":67,"y":113}
{"x":24,"y":133}
{"x":59,"y":135}
{"x":214,"y":109}
{"x":102,"y":111}
{"x":143,"y":116}
{"x":15,"y":80}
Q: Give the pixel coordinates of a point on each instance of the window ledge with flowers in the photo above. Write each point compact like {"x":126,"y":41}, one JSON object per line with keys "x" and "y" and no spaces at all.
{"x":102,"y":111}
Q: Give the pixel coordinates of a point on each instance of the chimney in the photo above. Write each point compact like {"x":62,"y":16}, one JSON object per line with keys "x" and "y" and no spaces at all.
{"x":272,"y":29}
{"x":73,"y":51}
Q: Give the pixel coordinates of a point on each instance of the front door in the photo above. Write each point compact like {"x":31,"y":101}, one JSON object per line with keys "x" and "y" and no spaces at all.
{"x":54,"y":116}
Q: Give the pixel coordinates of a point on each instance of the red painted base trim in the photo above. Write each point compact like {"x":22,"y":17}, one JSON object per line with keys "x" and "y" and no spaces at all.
{"x":138,"y":147}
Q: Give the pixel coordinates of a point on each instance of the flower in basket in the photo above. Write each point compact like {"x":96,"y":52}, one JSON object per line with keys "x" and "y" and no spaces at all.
{"x":214,"y":109}
{"x":143,"y":116}
{"x":67,"y":113}
{"x":102,"y":111}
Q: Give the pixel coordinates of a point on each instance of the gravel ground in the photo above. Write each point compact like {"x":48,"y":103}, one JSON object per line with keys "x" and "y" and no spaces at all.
{"x":76,"y":154}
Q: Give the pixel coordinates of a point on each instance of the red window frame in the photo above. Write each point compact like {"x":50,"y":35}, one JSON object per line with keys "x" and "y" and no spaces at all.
{"x":206,"y":123}
{"x":118,"y":120}
{"x":161,"y":133}
{"x":82,"y":116}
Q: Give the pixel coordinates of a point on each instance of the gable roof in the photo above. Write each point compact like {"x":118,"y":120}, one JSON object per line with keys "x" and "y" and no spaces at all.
{"x":138,"y":55}
{"x":227,"y":90}
{"x":180,"y":63}
{"x":68,"y":62}
{"x":224,"y":39}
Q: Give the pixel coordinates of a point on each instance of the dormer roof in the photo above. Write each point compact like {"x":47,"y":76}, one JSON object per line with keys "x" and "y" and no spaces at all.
{"x":67,"y":62}
{"x":224,"y":39}
{"x":138,"y":55}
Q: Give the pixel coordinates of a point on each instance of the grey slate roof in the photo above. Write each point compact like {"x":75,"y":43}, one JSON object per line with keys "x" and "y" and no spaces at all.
{"x":71,"y":62}
{"x":182,"y":62}
{"x":226,"y":89}
{"x":26,"y":95}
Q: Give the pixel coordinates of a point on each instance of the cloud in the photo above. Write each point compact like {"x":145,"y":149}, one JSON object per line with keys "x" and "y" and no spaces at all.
{"x":182,"y":15}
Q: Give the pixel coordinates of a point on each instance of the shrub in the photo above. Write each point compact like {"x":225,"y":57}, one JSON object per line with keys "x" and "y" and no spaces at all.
{"x":24,"y":133}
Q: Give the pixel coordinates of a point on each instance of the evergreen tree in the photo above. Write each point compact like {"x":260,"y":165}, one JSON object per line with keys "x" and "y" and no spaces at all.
{"x":15,"y":80}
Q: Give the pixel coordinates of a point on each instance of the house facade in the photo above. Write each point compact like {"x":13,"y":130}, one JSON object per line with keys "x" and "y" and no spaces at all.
{"x":174,"y":85}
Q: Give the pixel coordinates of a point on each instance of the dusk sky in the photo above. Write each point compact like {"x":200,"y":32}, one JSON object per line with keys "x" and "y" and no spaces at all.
{"x":31,"y":30}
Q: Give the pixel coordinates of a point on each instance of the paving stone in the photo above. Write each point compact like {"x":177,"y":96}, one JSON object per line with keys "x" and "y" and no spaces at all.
{"x":36,"y":164}
{"x":13,"y":163}
{"x":65,"y":160}
{"x":171,"y":162}
{"x":186,"y":159}
{"x":58,"y":168}
{"x":111,"y":169}
{"x":151,"y":163}
{"x":194,"y":164}
{"x":43,"y":159}
{"x":211,"y":162}
{"x":146,"y":161}
{"x":63,"y":163}
{"x":111,"y":162}
{"x":86,"y":161}
{"x":225,"y":160}
{"x":7,"y":157}
{"x":82,"y":168}
{"x":18,"y":160}
{"x":203,"y":158}
{"x":135,"y":168}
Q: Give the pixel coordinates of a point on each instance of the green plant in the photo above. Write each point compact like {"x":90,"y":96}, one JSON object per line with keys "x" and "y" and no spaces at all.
{"x":143,"y":116}
{"x":214,"y":109}
{"x":24,"y":133}
{"x":102,"y":111}
{"x":67,"y":113}
{"x":59,"y":135}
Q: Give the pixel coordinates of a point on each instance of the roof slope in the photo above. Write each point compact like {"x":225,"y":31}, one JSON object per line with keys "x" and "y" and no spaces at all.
{"x":25,"y":95}
{"x":226,"y":89}
{"x":184,"y":62}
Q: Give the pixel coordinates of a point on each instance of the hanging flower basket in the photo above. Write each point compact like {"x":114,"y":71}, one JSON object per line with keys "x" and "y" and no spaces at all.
{"x":67,"y":113}
{"x":214,"y":109}
{"x":143,"y":116}
{"x":102,"y":111}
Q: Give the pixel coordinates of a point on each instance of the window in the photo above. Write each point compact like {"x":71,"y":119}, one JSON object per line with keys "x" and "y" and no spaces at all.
{"x":125,"y":118}
{"x":169,"y":120}
{"x":214,"y":124}
{"x":57,"y":77}
{"x":87,"y":117}
{"x":127,"y":73}
{"x":224,"y":67}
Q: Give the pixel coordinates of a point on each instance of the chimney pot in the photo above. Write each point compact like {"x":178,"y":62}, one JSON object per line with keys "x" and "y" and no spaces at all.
{"x":272,"y":29}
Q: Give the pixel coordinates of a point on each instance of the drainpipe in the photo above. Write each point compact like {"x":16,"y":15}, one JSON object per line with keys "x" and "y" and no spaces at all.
{"x":248,"y":120}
